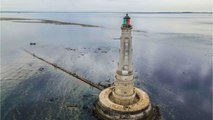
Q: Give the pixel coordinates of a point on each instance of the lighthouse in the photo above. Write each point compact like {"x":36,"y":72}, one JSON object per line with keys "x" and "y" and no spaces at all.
{"x":124,"y":101}
{"x":123,"y":92}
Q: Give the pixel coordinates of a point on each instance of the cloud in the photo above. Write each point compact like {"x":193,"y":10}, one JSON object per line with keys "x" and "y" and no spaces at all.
{"x":107,"y":5}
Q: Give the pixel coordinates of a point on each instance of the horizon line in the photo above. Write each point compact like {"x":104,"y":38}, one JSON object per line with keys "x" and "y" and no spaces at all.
{"x":23,"y":11}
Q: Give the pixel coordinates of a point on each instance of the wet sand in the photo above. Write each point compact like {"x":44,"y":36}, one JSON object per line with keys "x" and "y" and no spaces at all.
{"x":29,"y":20}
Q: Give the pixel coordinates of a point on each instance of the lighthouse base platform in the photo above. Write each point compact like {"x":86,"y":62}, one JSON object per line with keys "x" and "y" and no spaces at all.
{"x":141,"y":109}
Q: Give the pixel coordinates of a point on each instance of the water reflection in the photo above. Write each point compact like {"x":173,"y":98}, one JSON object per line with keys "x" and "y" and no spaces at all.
{"x":173,"y":64}
{"x":178,"y":74}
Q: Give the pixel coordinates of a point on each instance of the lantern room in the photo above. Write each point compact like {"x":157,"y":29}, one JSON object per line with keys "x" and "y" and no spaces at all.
{"x":126,"y":20}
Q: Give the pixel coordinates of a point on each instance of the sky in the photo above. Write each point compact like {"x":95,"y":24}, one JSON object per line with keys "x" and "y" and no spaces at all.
{"x":108,"y":5}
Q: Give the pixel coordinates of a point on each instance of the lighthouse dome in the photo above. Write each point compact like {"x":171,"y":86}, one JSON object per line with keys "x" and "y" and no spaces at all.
{"x":126,"y":17}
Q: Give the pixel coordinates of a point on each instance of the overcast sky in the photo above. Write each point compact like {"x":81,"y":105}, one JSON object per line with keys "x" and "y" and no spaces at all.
{"x":108,"y":5}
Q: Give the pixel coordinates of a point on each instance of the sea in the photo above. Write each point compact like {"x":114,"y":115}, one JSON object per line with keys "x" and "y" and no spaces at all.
{"x":172,"y":62}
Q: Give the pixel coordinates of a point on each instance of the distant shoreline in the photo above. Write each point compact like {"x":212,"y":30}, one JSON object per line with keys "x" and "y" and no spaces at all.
{"x":106,"y":12}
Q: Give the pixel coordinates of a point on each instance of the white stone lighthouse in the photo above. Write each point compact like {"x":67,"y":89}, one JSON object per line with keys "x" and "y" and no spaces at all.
{"x":123,"y":101}
{"x":123,"y":92}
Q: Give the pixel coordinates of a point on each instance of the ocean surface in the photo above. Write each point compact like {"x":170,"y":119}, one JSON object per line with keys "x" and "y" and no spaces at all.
{"x":171,"y":56}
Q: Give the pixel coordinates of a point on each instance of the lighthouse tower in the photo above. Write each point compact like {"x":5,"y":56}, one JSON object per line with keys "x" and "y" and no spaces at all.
{"x":123,"y":92}
{"x":123,"y":101}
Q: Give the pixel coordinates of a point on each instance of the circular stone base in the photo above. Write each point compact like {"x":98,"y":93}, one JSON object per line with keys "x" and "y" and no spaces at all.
{"x":106,"y":109}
